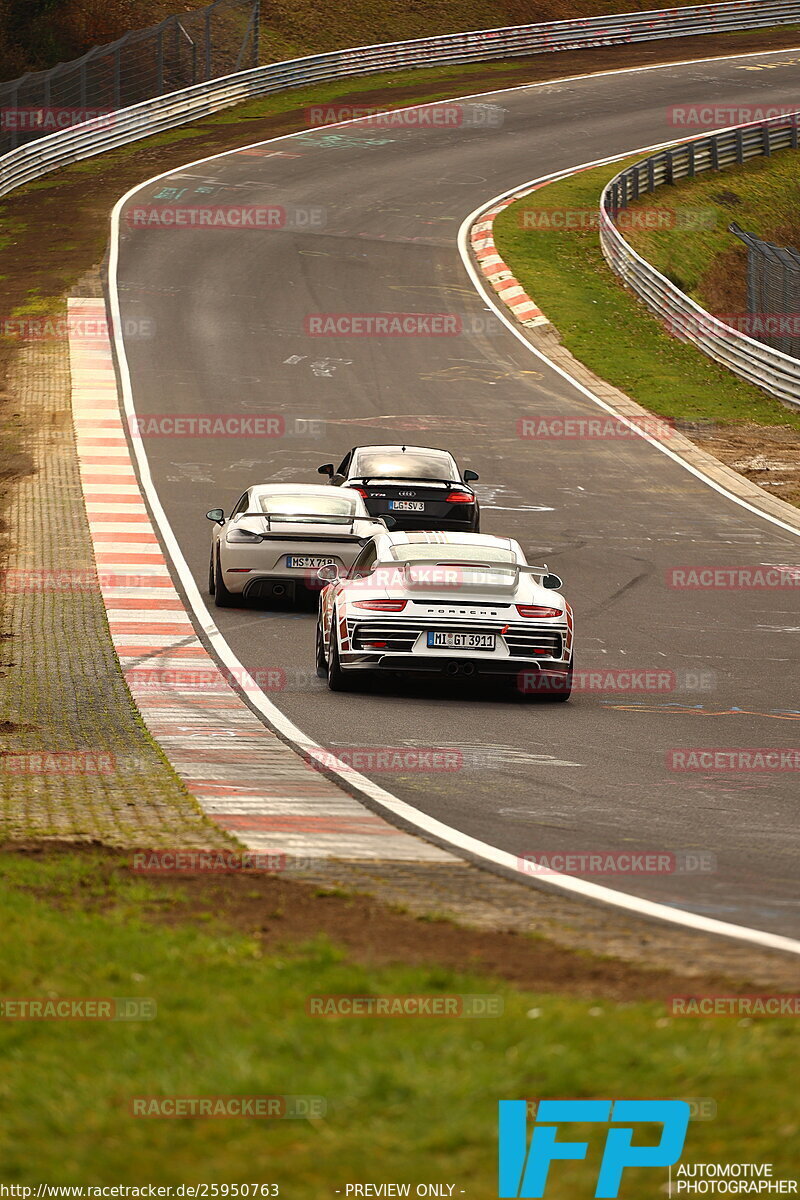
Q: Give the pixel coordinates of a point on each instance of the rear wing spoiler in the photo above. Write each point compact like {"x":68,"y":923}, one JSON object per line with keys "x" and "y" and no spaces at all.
{"x":452,"y":483}
{"x":506,"y":567}
{"x":312,"y":518}
{"x":511,"y":571}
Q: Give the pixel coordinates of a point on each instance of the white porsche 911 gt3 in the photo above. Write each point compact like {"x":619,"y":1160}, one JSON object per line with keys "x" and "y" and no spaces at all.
{"x":279,"y":535}
{"x":458,"y":604}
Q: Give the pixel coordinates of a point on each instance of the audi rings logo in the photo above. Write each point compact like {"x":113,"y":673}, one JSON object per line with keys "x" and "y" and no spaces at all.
{"x":408,"y":493}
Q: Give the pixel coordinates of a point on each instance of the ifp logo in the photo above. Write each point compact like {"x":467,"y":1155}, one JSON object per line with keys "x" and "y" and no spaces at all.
{"x":524,"y":1171}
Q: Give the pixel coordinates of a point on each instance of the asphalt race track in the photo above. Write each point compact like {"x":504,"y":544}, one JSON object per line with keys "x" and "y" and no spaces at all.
{"x":228,"y":312}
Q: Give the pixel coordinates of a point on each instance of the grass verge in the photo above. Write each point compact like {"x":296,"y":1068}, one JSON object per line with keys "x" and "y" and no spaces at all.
{"x":709,"y":263}
{"x":606,"y":326}
{"x":231,"y":1021}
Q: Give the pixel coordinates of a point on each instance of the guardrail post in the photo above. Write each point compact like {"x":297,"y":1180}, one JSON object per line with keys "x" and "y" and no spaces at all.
{"x":14,"y":97}
{"x":651,"y":175}
{"x":207,"y":67}
{"x":793,"y":134}
{"x":713,"y":146}
{"x":766,"y":140}
{"x":739,"y":146}
{"x":118,"y":77}
{"x":690,"y":170}
{"x":257,"y":33}
{"x":669,"y":167}
{"x":160,"y":60}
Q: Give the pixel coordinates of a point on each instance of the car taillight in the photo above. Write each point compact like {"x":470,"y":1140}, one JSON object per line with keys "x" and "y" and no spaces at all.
{"x":460,"y":498}
{"x":536,"y":610}
{"x":381,"y":605}
{"x":363,"y":493}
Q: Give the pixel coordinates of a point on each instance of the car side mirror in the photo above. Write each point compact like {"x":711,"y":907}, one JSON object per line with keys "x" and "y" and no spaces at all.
{"x":552,"y":581}
{"x":470,"y":476}
{"x":325,"y":469}
{"x":216,"y":514}
{"x":328,"y":573}
{"x":389,"y":522}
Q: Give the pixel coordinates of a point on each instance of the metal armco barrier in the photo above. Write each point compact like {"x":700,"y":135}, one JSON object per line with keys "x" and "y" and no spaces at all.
{"x":760,"y":364}
{"x":125,"y":125}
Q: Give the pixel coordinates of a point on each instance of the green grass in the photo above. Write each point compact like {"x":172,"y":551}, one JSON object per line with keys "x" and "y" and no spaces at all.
{"x":762,"y":196}
{"x":606,"y":327}
{"x":407,"y":1099}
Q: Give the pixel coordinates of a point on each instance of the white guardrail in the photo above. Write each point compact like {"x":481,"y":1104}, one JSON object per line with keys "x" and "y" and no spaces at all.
{"x":752,"y":360}
{"x":125,"y":125}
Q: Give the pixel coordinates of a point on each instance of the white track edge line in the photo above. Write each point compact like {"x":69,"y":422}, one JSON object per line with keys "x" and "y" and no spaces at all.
{"x":293,"y":734}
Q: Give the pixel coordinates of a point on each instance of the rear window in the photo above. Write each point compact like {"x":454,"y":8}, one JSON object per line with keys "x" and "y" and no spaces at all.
{"x":330,"y":505}
{"x":455,"y":553}
{"x":413,"y":465}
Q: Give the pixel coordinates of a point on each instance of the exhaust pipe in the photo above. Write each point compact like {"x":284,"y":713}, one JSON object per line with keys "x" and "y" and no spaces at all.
{"x":460,"y":668}
{"x":278,"y":589}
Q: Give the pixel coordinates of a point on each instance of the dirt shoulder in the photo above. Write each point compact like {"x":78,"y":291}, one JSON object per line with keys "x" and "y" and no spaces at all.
{"x":280,"y":912}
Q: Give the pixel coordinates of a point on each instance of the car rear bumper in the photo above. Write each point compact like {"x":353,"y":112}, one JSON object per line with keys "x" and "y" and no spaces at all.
{"x":273,"y":585}
{"x":429,"y":664}
{"x":411,"y":524}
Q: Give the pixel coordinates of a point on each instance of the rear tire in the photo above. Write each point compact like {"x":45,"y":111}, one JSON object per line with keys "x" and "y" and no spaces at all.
{"x":322,"y":665}
{"x":560,"y":695}
{"x":222,"y":597}
{"x":338,"y":681}
{"x":548,"y":688}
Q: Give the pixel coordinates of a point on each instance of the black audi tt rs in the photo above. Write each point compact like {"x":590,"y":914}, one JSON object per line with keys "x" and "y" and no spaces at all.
{"x":417,"y":486}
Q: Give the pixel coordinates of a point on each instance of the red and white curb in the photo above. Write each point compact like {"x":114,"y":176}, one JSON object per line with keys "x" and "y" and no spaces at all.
{"x":241,"y":774}
{"x":496,"y":272}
